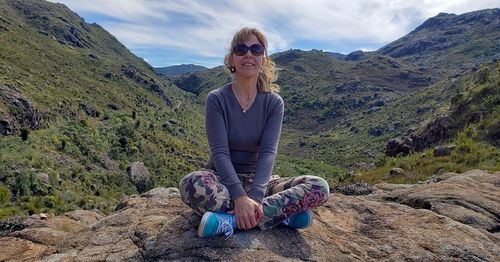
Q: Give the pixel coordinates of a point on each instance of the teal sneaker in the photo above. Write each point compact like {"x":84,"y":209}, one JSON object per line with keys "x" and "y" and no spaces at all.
{"x":216,"y":223}
{"x":299,"y":221}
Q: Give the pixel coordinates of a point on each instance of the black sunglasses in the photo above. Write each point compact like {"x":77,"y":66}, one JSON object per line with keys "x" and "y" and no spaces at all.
{"x":241,"y":49}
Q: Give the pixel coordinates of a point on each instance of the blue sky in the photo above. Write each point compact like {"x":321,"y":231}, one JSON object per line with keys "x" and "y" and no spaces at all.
{"x":165,"y":32}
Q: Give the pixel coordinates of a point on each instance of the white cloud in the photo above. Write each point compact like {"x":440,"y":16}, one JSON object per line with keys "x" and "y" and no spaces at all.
{"x":204,"y":28}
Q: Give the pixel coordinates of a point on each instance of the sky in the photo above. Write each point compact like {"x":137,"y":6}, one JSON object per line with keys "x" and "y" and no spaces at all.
{"x":171,"y":32}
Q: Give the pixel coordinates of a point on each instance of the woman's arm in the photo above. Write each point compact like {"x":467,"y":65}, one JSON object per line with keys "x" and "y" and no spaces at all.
{"x":267,"y":151}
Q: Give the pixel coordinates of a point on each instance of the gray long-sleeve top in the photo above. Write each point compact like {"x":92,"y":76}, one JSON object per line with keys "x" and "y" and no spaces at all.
{"x":240,"y":142}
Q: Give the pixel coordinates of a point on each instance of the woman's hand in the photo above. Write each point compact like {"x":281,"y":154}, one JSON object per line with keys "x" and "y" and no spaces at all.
{"x":248,"y":212}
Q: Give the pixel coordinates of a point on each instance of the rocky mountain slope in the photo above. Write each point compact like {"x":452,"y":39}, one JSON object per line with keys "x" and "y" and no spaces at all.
{"x":78,"y":113}
{"x":449,"y":217}
{"x":178,"y":70}
{"x":449,"y":41}
{"x":343,"y":110}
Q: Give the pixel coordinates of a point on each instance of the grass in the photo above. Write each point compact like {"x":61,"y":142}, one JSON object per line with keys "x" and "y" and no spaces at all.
{"x":477,"y":143}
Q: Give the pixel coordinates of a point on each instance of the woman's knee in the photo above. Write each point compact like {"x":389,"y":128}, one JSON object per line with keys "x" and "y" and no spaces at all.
{"x":195,"y":184}
{"x":202,"y":191}
{"x":317,"y":183}
{"x":320,"y":190}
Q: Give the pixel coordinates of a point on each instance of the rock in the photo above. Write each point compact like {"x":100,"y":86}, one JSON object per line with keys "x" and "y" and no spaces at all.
{"x":20,"y":112}
{"x":43,"y":216}
{"x":89,"y":110}
{"x":364,"y":166}
{"x":375,"y":131}
{"x":376,"y":103}
{"x":13,"y":223}
{"x":442,"y":127}
{"x":399,"y":145}
{"x":396,"y":171}
{"x":353,"y":189}
{"x":138,"y":76}
{"x":113,"y":106}
{"x":43,"y":177}
{"x":108,"y":75}
{"x":450,"y":220}
{"x":443,"y":150}
{"x":471,"y":198}
{"x":371,"y":110}
{"x":85,"y":217}
{"x":139,"y":173}
{"x":475,"y":117}
{"x":7,"y":125}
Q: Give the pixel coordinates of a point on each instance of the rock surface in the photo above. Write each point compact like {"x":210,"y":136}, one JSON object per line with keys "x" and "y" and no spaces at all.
{"x":139,"y":173}
{"x":21,"y":112}
{"x":453,"y":217}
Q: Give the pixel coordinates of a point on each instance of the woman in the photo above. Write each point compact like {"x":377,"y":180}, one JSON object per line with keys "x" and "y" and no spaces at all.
{"x":243,"y":124}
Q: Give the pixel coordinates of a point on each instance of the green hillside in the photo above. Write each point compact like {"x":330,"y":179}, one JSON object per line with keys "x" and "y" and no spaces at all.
{"x":89,"y":108}
{"x":474,"y":136}
{"x":343,"y":112}
{"x":78,"y":111}
{"x":450,"y":42}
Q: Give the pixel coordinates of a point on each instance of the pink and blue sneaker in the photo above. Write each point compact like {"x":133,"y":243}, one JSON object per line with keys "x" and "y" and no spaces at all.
{"x":216,"y":223}
{"x":299,"y":221}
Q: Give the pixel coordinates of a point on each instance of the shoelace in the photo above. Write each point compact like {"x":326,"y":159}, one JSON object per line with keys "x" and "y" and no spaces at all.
{"x":286,"y":221}
{"x":225,"y":227}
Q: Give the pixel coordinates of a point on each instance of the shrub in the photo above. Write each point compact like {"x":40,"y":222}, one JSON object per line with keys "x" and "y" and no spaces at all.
{"x":4,"y":195}
{"x":24,"y":134}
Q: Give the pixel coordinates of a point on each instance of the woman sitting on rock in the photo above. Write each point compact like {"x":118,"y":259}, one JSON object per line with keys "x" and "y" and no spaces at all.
{"x":243,"y":125}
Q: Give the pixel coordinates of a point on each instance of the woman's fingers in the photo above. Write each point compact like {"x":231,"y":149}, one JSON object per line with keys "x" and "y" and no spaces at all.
{"x":260,"y":212}
{"x":253,"y":221}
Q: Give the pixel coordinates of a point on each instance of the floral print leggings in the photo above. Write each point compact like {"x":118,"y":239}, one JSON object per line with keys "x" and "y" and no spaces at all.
{"x":285,"y":197}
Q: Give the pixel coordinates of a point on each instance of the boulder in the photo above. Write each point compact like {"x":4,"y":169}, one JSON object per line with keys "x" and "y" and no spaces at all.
{"x":376,"y":130}
{"x":21,"y":113}
{"x":396,"y":171}
{"x":7,"y":125}
{"x":443,"y":150}
{"x":441,"y":128}
{"x":472,"y":198}
{"x":43,"y":177}
{"x":139,"y":173}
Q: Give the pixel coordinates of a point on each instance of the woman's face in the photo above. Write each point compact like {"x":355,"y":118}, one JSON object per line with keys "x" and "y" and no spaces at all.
{"x":248,"y":65}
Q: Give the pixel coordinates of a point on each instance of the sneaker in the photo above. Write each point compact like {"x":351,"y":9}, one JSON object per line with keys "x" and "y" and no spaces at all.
{"x":299,"y":221}
{"x":216,"y":223}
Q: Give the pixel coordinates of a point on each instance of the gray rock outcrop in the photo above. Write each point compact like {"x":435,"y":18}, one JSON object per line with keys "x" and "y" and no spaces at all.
{"x":453,"y":217}
{"x":21,"y":113}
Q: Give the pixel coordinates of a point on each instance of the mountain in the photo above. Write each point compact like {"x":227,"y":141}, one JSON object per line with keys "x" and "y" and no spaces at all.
{"x":343,"y":111}
{"x":335,"y":55}
{"x":177,"y":70}
{"x":450,"y":41}
{"x":83,"y":121}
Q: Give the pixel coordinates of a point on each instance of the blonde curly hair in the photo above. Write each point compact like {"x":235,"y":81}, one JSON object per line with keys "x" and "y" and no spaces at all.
{"x":267,"y":74}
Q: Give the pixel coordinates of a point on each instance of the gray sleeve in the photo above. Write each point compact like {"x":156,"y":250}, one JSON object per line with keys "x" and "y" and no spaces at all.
{"x":216,"y":130}
{"x":267,"y":151}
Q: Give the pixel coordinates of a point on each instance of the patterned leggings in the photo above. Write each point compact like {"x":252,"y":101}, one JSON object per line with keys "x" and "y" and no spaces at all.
{"x":285,"y":197}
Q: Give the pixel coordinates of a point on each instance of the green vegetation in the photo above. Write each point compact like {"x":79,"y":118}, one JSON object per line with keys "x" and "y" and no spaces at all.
{"x":101,"y":109}
{"x":477,"y":144}
{"x":79,"y":108}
